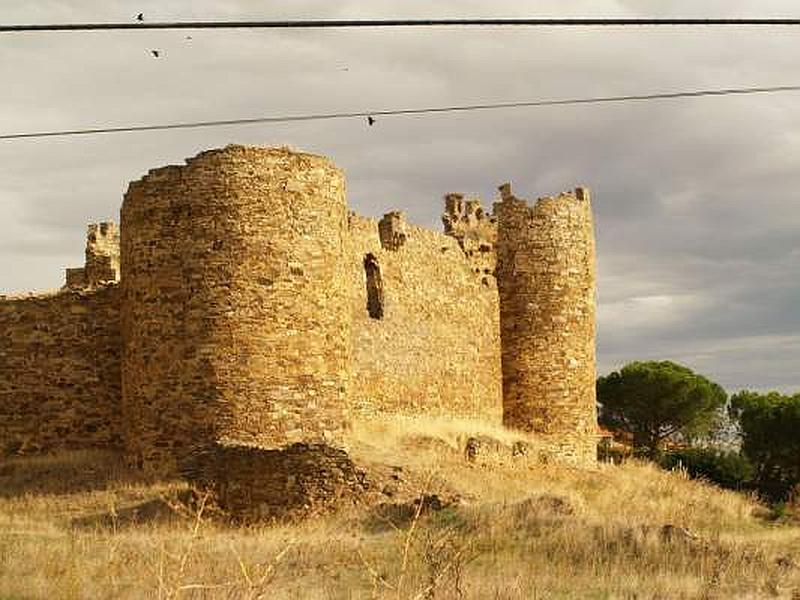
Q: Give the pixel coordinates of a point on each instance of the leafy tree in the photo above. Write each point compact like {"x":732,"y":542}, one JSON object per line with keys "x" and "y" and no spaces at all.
{"x":655,"y":400}
{"x":770,"y":429}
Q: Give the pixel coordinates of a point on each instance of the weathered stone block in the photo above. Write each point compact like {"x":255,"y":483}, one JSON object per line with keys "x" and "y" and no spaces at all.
{"x":251,"y":483}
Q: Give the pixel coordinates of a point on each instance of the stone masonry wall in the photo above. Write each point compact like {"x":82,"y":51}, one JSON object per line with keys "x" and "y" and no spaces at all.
{"x":236,"y":312}
{"x":546,"y":281}
{"x":102,"y":253}
{"x":101,"y":264}
{"x":254,"y":312}
{"x":60,"y":370}
{"x":252,"y":483}
{"x":436,"y":348}
{"x":475,"y":230}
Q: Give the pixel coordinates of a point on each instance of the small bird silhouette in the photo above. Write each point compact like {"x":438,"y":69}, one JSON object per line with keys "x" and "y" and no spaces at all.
{"x":371,"y":120}
{"x":155,"y":53}
{"x":140,"y":17}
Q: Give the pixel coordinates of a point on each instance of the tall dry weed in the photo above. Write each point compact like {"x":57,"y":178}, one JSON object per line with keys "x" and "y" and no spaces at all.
{"x":523,"y":530}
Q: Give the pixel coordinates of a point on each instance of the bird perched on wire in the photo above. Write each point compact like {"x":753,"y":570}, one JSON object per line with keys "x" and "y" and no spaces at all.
{"x":371,"y":120}
{"x":155,"y":53}
{"x":140,"y":17}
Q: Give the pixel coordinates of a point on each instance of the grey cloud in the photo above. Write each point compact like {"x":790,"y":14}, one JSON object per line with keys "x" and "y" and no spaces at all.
{"x":696,"y":203}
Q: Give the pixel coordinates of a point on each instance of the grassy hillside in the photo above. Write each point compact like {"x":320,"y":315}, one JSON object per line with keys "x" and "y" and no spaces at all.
{"x":76,"y":526}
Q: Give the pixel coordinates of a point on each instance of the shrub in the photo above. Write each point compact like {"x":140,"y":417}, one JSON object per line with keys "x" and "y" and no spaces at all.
{"x":725,"y":468}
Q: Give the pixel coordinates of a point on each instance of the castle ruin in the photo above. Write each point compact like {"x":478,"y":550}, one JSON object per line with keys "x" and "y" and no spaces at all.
{"x":241,"y":302}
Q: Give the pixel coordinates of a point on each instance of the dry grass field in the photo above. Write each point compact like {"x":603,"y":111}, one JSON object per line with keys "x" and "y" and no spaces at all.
{"x":76,"y":526}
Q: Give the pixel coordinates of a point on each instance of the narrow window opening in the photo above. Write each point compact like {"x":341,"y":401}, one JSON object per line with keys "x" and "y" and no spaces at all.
{"x":374,"y":287}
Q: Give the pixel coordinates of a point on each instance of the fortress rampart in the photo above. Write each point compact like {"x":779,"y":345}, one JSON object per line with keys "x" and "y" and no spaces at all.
{"x":244,"y":305}
{"x":435,"y":348}
{"x":60,"y":357}
{"x":102,"y":258}
{"x":235,"y":306}
{"x":476,"y":233}
{"x":546,"y":277}
{"x":60,"y":370}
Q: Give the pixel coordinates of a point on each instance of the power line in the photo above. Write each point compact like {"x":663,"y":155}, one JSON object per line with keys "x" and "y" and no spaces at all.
{"x":408,"y":111}
{"x":353,"y":23}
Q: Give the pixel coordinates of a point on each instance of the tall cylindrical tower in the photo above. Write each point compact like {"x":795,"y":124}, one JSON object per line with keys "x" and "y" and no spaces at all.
{"x":546,"y":282}
{"x":236,"y":321}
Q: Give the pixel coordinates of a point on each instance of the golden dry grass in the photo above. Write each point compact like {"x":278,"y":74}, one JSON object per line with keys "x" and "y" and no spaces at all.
{"x":522,"y":531}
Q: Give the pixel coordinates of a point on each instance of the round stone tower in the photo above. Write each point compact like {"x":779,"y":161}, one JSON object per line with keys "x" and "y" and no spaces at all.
{"x":236,"y":320}
{"x":546,"y":282}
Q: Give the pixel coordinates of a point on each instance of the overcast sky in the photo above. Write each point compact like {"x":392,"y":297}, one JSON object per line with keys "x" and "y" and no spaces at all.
{"x":696,"y":201}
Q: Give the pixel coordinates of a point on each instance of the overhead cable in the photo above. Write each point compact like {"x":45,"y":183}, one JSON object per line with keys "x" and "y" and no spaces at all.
{"x":444,"y":22}
{"x":406,"y":111}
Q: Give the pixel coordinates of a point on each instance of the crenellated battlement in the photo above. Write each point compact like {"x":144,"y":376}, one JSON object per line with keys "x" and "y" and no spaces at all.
{"x":392,"y":230}
{"x":511,"y":202}
{"x":101,"y":264}
{"x":462,"y":215}
{"x":476,"y":233}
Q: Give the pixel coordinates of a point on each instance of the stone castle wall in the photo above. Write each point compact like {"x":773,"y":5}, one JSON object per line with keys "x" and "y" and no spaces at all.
{"x":474,"y":229}
{"x":236,"y":312}
{"x":252,"y":310}
{"x":435,"y":349}
{"x":102,"y":258}
{"x":60,"y":370}
{"x":252,"y":483}
{"x":546,"y":280}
